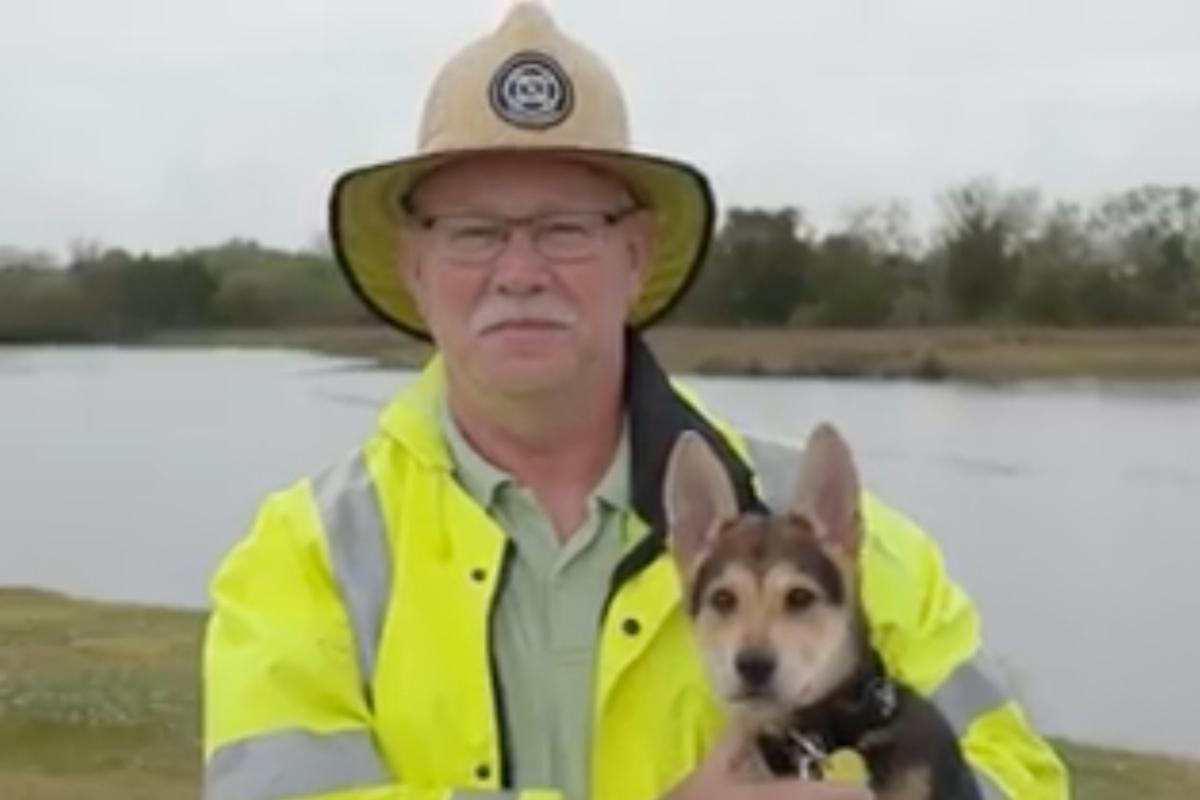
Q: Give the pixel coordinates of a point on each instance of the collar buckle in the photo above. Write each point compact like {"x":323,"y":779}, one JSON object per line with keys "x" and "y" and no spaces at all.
{"x":812,"y":755}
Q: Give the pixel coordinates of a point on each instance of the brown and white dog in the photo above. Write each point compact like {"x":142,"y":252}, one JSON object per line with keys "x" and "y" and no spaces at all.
{"x":775,"y":604}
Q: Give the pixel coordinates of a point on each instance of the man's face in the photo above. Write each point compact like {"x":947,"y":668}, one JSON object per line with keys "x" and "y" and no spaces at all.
{"x":525,"y":308}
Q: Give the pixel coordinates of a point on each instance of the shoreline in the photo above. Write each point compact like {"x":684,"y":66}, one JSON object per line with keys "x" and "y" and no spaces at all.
{"x":926,"y":354}
{"x":105,"y":695}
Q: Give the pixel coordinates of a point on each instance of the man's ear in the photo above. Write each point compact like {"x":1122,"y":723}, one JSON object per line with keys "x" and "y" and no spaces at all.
{"x":641,"y":248}
{"x":409,"y":264}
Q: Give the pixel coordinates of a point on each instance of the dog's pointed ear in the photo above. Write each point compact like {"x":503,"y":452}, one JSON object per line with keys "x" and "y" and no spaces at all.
{"x":698,"y":497}
{"x":828,"y":492}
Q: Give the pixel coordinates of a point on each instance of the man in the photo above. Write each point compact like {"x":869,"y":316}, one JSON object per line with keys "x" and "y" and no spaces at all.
{"x":476,"y":604}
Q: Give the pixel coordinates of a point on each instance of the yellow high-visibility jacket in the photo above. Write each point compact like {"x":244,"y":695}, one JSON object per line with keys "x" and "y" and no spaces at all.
{"x":347,"y":654}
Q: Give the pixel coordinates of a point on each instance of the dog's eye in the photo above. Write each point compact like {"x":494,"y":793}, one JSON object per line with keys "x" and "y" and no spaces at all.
{"x":723,"y":601}
{"x":799,"y":599}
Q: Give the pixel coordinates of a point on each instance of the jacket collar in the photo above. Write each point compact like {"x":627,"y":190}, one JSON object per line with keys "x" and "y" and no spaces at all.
{"x":411,"y":418}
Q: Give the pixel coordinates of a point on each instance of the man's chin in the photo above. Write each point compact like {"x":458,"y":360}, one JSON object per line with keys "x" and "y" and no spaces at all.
{"x":528,"y":374}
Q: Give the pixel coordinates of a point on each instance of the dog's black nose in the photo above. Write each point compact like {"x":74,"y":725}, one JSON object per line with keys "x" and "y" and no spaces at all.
{"x":756,"y":667}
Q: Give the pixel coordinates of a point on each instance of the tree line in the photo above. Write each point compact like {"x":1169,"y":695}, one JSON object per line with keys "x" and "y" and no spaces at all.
{"x":109,"y":294}
{"x":996,"y":256}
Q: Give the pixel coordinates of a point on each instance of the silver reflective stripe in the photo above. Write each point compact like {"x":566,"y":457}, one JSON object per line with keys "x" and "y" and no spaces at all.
{"x":987,"y":787}
{"x":968,"y":692}
{"x":358,"y":547}
{"x":293,"y":763}
{"x":776,"y":464}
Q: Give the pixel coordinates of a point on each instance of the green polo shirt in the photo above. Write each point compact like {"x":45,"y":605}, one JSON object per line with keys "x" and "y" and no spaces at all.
{"x":547,"y":615}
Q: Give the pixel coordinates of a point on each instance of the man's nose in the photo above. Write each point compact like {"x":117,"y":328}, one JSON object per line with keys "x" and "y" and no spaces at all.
{"x":518,"y":268}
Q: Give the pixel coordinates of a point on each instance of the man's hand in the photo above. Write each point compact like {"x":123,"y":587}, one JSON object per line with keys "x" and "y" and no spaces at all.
{"x":729,"y":773}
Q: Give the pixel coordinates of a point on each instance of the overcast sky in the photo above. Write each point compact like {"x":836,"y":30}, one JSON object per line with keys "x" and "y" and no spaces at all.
{"x":155,"y":124}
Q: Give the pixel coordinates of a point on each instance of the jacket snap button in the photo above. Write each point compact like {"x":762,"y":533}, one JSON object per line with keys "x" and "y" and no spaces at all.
{"x":483,"y":772}
{"x":478,"y":575}
{"x":631,"y":626}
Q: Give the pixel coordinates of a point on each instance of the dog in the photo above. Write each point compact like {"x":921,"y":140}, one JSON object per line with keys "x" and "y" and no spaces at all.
{"x":774,"y":603}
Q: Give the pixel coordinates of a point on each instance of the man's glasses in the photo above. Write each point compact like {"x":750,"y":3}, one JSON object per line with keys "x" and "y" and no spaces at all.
{"x":556,"y":236}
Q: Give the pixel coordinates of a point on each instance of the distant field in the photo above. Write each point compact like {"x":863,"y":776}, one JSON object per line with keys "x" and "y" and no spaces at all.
{"x":928,"y":353}
{"x":99,"y":701}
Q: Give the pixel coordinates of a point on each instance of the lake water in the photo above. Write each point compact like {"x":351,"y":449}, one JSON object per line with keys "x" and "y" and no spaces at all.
{"x":1068,"y":510}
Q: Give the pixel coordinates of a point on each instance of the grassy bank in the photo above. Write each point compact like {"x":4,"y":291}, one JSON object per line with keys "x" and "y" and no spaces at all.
{"x":927,"y":353}
{"x":99,"y":701}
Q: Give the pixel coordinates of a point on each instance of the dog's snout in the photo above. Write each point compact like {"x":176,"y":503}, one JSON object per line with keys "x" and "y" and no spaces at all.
{"x":756,"y":667}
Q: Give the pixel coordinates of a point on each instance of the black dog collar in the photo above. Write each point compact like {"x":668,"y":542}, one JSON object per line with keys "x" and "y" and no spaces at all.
{"x":866,"y":703}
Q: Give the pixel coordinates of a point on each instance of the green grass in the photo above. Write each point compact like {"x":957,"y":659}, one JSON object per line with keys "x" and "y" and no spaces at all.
{"x":1115,"y":775}
{"x":99,"y":701}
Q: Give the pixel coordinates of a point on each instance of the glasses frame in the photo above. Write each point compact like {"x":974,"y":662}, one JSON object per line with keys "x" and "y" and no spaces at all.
{"x":607,"y":220}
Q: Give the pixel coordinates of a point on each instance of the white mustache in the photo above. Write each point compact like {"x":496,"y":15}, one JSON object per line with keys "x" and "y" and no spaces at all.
{"x":501,"y":310}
